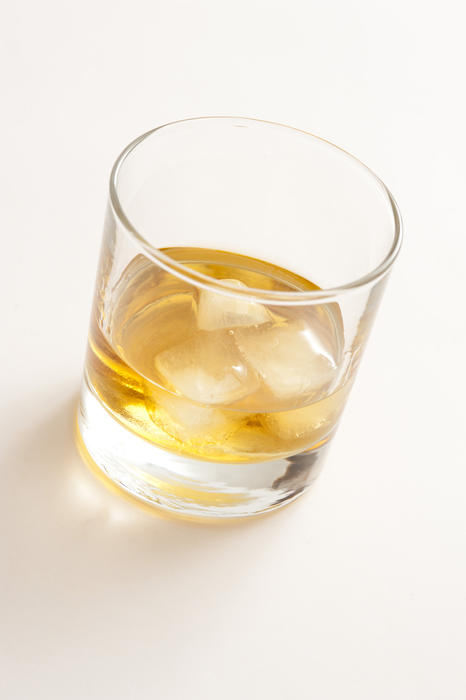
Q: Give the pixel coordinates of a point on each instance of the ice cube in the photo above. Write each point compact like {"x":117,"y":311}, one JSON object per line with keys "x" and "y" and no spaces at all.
{"x":306,"y":425}
{"x":216,"y":311}
{"x":188,"y":421}
{"x":207,"y":368}
{"x":297,"y":424}
{"x":290,"y":358}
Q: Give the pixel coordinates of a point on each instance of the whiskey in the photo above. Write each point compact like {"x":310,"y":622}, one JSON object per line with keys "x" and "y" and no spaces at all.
{"x":213,"y":376}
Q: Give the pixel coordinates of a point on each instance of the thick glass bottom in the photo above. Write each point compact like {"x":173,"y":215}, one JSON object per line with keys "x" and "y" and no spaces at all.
{"x":188,"y":486}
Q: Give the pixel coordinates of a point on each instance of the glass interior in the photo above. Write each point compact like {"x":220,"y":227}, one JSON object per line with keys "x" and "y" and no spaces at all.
{"x":258,"y":189}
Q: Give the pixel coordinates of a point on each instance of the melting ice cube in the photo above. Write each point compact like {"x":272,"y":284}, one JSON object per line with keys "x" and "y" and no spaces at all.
{"x":309,"y":424}
{"x":290,"y":358}
{"x":188,"y":421}
{"x":207,"y":368}
{"x":217,"y":311}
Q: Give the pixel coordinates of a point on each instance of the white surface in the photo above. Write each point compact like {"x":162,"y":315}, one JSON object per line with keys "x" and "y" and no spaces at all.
{"x":358,"y":590}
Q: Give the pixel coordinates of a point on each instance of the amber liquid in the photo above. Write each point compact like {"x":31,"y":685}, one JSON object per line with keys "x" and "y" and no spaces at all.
{"x":197,"y":373}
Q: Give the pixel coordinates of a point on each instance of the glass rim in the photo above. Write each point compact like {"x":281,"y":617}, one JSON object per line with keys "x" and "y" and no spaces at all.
{"x":265,"y":296}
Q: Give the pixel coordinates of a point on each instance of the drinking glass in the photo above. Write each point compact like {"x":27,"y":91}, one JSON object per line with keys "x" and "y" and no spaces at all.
{"x":242,"y":265}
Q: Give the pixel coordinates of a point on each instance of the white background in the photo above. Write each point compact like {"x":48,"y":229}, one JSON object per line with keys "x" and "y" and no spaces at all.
{"x":358,"y":590}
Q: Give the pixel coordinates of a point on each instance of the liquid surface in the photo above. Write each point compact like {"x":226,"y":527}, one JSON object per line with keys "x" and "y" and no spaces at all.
{"x":215,"y":376}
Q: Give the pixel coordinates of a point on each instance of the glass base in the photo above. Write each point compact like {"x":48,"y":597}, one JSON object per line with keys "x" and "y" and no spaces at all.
{"x":187,"y":486}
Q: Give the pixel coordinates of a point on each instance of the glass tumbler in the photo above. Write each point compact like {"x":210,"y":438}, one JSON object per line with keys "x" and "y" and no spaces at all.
{"x":241,"y":268}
